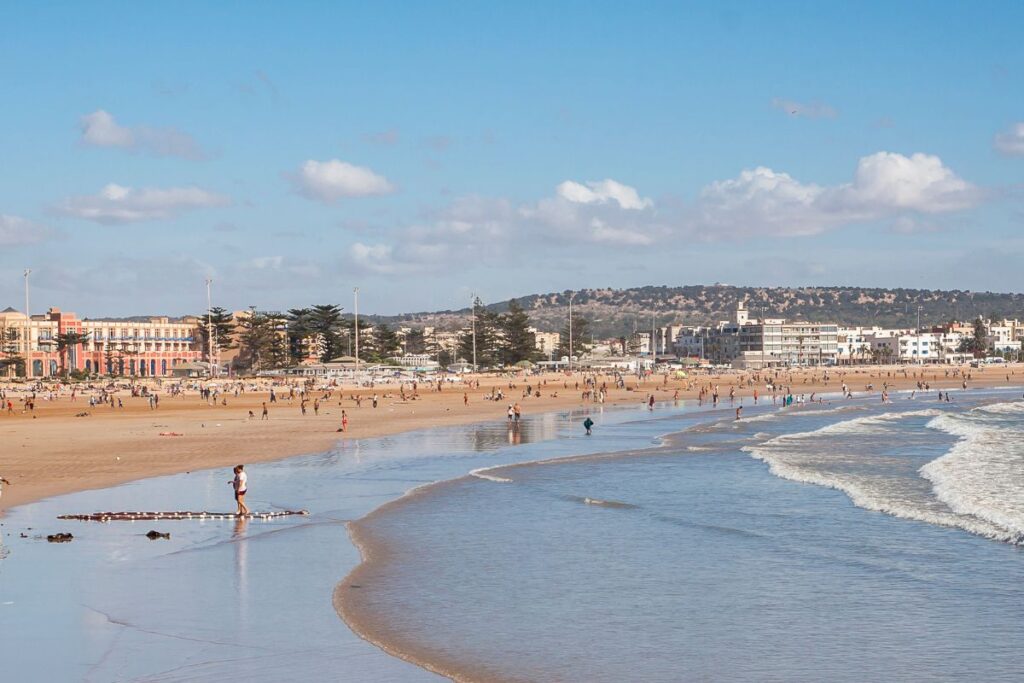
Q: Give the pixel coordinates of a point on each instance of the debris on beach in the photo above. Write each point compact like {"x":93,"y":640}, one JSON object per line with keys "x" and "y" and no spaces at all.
{"x":176,"y":515}
{"x":60,"y":538}
{"x":153,"y":535}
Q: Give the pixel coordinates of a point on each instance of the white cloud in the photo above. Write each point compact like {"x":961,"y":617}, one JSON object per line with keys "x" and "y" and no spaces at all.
{"x":605,"y":233}
{"x":15,"y":231}
{"x":476,"y":229}
{"x":921,"y":182}
{"x":888,"y":187}
{"x":806,"y":110}
{"x":275,"y":269}
{"x":760,"y":200}
{"x":100,"y":129}
{"x":602,"y":192}
{"x":120,"y":204}
{"x":885,"y":185}
{"x":375,"y":258}
{"x":1010,"y":141}
{"x":331,"y":180}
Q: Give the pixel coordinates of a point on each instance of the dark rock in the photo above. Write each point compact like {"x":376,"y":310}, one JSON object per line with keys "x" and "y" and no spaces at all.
{"x":153,"y":535}
{"x":60,"y":538}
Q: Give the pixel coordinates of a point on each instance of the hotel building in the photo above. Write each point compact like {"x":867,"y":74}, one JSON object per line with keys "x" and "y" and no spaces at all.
{"x":148,"y":347}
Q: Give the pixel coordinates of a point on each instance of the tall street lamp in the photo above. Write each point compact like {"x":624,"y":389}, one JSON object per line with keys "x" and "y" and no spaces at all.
{"x":572,"y":295}
{"x":355,"y":327}
{"x":209,"y":325}
{"x":472,"y":320}
{"x":28,"y":329}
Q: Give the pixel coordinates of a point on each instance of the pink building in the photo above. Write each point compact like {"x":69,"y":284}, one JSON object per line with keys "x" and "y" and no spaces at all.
{"x":149,"y":347}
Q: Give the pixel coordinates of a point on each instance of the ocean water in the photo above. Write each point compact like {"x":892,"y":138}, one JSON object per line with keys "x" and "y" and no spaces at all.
{"x":227,"y":601}
{"x":842,"y":541}
{"x":849,"y":541}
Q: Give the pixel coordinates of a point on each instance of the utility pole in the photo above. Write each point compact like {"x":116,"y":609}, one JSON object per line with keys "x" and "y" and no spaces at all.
{"x":355,"y":328}
{"x":28,"y":329}
{"x":472,"y":320}
{"x":764,"y":336}
{"x":654,"y":343}
{"x":209,"y":326}
{"x":919,"y":335}
{"x":572,"y":295}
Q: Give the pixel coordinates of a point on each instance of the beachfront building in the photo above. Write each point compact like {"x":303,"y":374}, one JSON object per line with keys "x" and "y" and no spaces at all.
{"x":1005,"y":335}
{"x":752,"y":343}
{"x":546,"y":342}
{"x":419,"y":362}
{"x":141,"y":347}
{"x":853,"y":344}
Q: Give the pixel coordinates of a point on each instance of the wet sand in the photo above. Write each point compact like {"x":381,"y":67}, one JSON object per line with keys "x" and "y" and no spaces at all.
{"x":50,"y":451}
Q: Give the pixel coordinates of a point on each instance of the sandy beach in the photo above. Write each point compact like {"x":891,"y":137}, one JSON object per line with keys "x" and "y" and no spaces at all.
{"x":51,"y":450}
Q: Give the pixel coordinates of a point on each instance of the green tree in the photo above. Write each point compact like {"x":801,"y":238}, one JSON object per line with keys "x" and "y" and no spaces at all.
{"x":384,"y":342}
{"x":278,"y":355}
{"x":517,"y":342}
{"x":580,"y":332}
{"x":257,"y":341}
{"x":66,"y":341}
{"x":436,"y":351}
{"x":221,"y":324}
{"x":300,"y":331}
{"x":415,"y":342}
{"x":487,"y":337}
{"x":11,"y":359}
{"x":976,"y":344}
{"x":328,"y":325}
{"x":109,"y":358}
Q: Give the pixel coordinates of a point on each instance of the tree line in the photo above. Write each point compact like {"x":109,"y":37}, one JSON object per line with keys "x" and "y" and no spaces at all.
{"x":271,"y":340}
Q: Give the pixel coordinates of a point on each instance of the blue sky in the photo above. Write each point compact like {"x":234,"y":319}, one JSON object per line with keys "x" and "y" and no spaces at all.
{"x":423,"y":151}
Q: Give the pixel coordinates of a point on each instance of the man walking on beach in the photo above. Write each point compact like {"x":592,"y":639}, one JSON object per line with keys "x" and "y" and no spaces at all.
{"x":265,"y":413}
{"x":2,"y":482}
{"x":240,"y":484}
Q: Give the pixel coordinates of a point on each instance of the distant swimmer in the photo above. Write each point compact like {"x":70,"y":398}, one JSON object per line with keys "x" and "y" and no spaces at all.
{"x":588,"y":424}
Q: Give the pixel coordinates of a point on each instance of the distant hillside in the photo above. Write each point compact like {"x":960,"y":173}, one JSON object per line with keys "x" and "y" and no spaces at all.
{"x":615,"y":311}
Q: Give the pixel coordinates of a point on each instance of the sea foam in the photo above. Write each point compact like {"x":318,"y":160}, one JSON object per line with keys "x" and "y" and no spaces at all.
{"x":983,"y":473}
{"x":963,"y":497}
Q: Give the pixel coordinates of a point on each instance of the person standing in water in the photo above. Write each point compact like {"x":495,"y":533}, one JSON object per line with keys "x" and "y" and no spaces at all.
{"x":588,"y":425}
{"x":240,"y":484}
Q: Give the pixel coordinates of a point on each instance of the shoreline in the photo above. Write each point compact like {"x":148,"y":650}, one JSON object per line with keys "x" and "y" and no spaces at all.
{"x":375,"y":552}
{"x":53,"y":452}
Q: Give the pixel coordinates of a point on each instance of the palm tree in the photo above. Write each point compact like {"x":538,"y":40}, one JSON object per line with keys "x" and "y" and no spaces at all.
{"x":66,"y":341}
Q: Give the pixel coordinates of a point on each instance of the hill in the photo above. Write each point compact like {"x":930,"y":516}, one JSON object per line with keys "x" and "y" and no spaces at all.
{"x":613,"y":312}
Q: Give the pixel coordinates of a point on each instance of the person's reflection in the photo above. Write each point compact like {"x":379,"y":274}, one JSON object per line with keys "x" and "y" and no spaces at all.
{"x":242,"y":565}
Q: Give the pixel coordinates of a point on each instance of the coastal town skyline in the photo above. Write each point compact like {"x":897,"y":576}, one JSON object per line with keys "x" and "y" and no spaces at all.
{"x":828,"y":146}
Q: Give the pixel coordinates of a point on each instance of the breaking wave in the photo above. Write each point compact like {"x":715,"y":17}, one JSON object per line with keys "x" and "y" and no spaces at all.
{"x":982,"y":475}
{"x":975,"y":486}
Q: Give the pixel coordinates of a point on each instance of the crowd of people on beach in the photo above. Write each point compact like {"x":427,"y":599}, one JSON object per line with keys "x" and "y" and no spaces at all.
{"x":309,"y":398}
